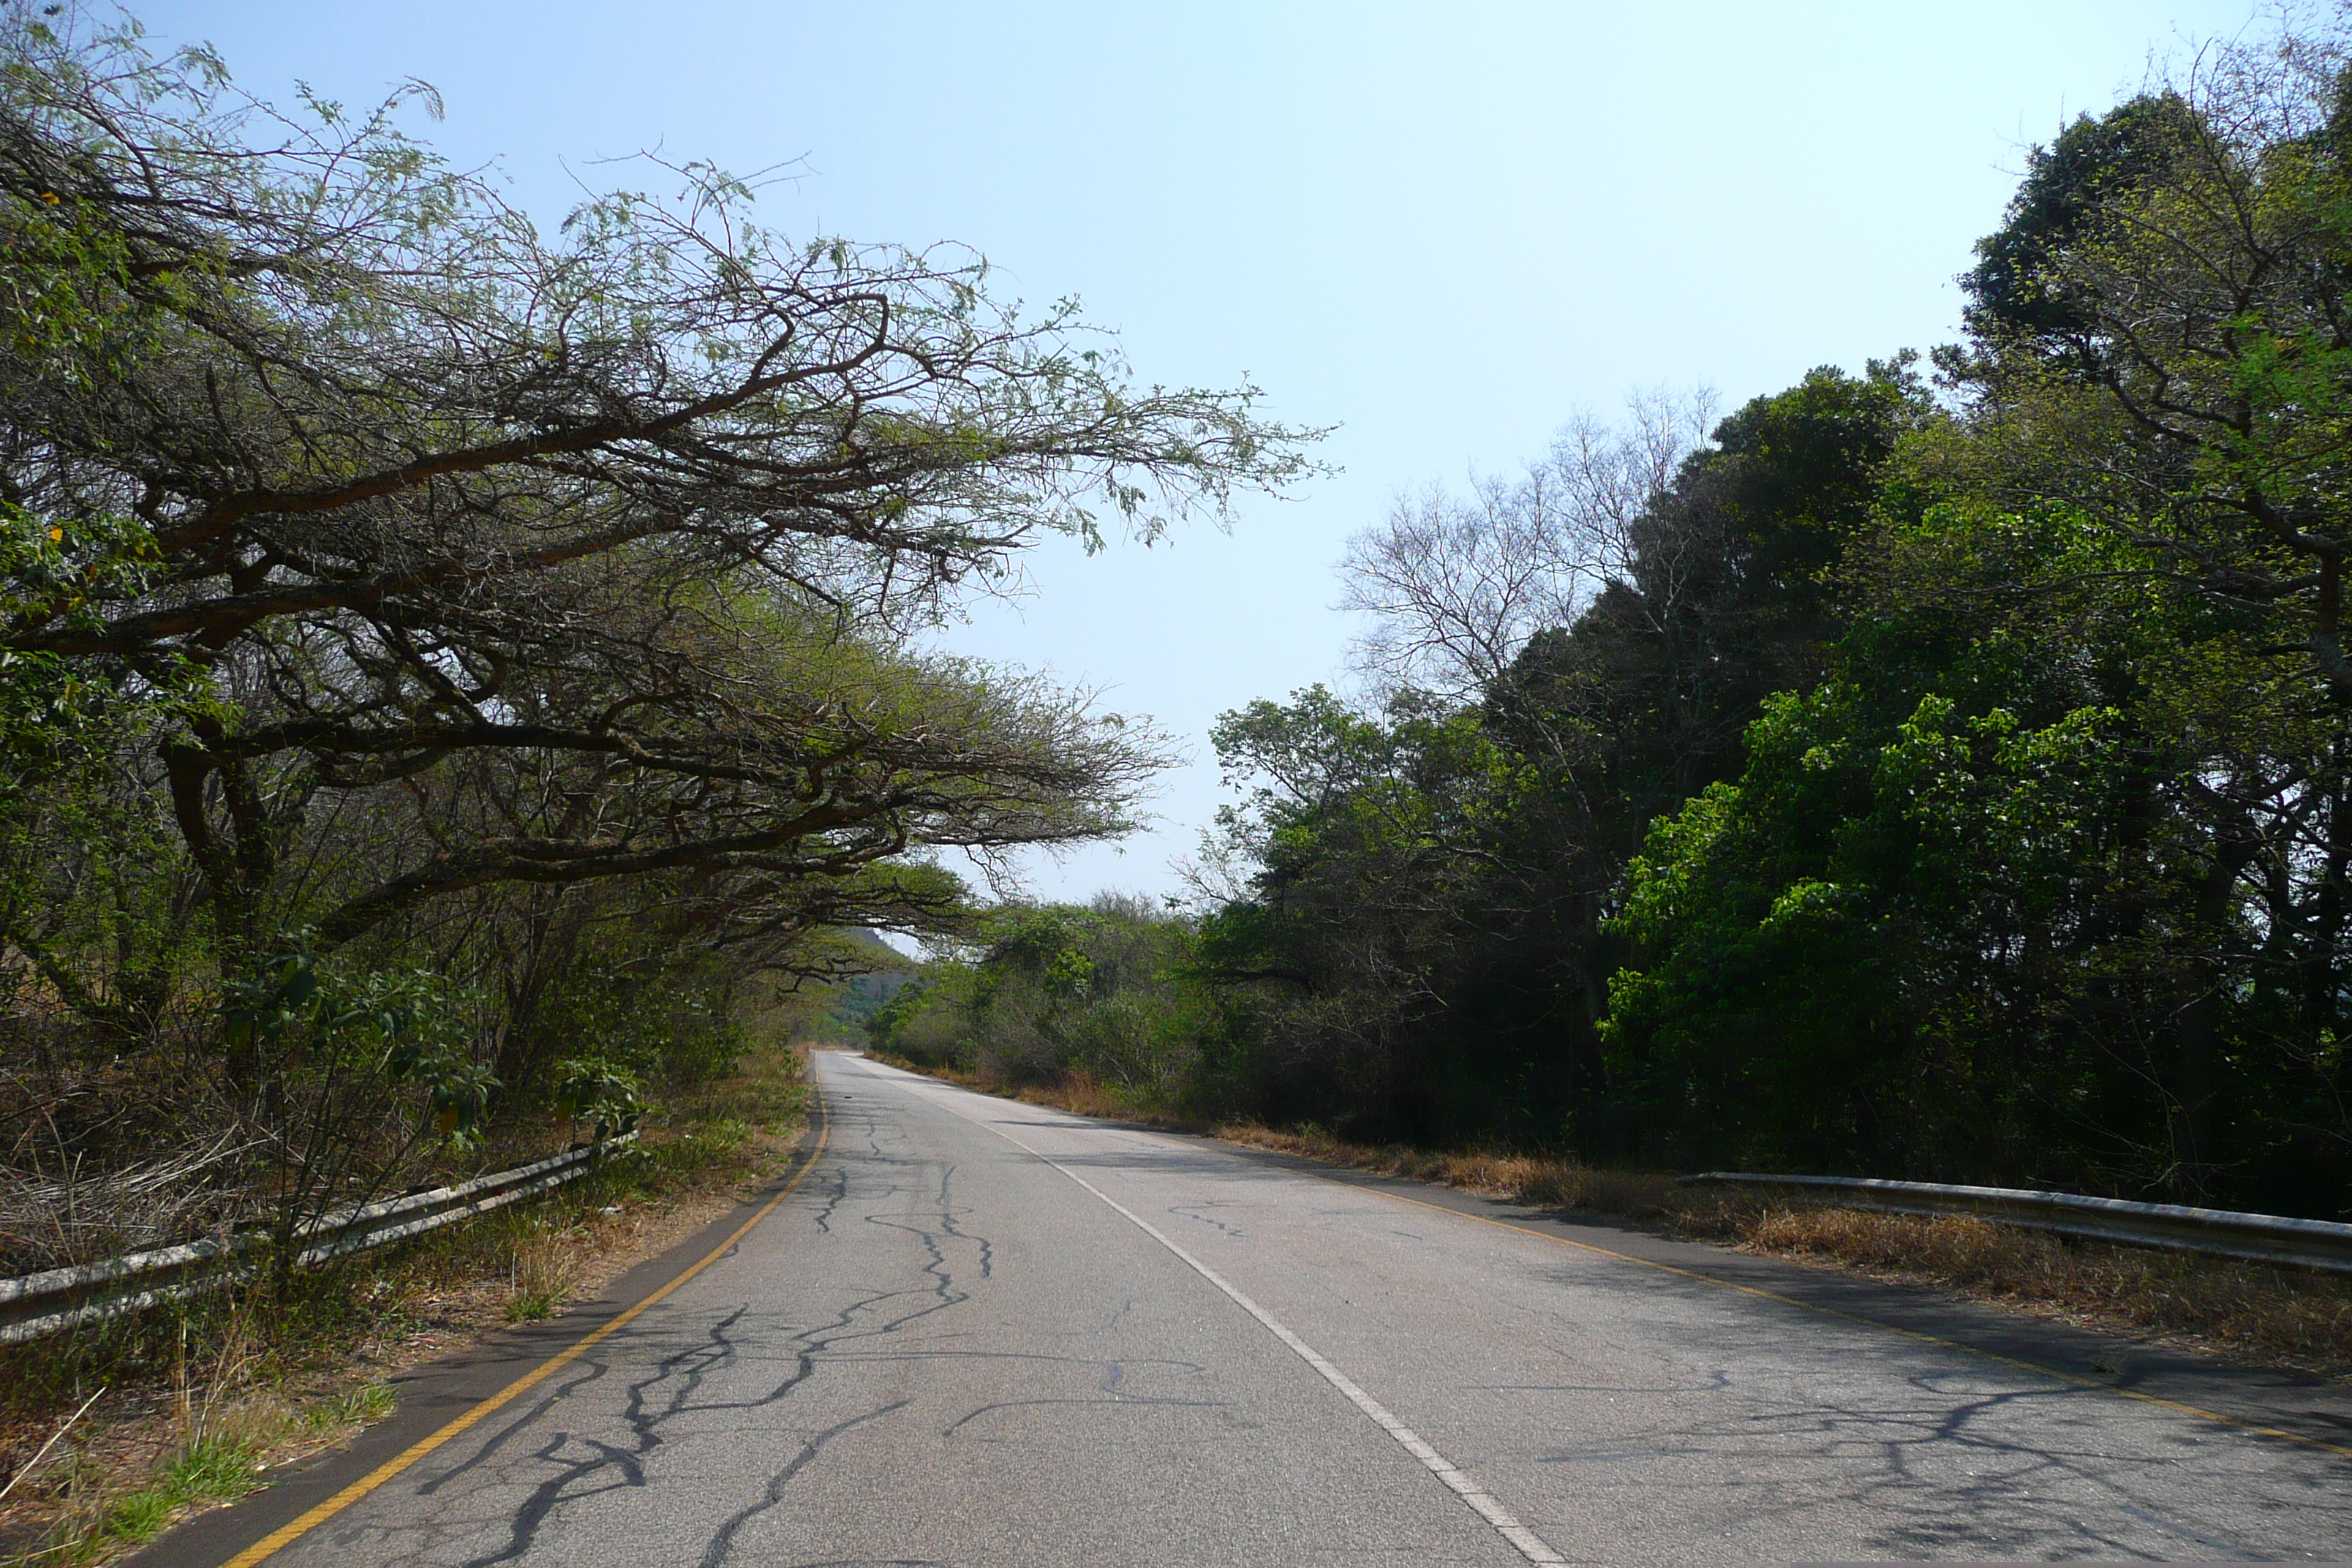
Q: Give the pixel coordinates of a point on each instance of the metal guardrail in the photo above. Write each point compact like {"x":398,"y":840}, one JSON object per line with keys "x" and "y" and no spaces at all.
{"x":2265,"y":1237}
{"x":56,"y":1298}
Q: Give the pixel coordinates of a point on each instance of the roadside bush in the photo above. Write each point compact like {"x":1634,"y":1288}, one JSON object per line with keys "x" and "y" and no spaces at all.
{"x":1103,"y":990}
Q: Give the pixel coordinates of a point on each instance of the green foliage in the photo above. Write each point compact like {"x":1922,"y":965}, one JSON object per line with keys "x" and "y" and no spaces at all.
{"x":1956,"y":791}
{"x":709,"y":1145}
{"x":599,"y":1092}
{"x":288,"y":1022}
{"x":666,"y":1019}
{"x":884,"y":1026}
{"x":2091,"y":164}
{"x":1970,"y":908}
{"x":1412,"y":915}
{"x":845,"y":1008}
{"x":1106,"y":991}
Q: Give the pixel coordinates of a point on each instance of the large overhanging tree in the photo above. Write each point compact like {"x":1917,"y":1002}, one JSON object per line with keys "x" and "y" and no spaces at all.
{"x":593,"y":556}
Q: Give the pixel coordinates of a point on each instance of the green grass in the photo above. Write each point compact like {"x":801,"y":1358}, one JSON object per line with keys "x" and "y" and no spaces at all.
{"x":369,"y":1402}
{"x":216,"y":1468}
{"x":204,"y":1471}
{"x":532,"y":1305}
{"x":709,"y":1146}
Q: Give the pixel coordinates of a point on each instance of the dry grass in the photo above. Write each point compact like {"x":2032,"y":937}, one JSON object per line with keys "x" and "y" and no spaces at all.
{"x":196,"y":1409}
{"x":2283,"y":1317}
{"x":542,"y":1270}
{"x":121,"y":1482}
{"x":219,"y":1449}
{"x":2286,"y":1316}
{"x":1082,"y":1095}
{"x":768,"y":1093}
{"x":1529,"y":1179}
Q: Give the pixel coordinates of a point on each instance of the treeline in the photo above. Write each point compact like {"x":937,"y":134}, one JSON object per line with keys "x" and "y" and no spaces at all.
{"x":1937,"y":773}
{"x":452,"y":676}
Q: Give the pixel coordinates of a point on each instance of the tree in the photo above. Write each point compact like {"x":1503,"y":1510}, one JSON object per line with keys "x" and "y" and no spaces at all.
{"x":426,"y":644}
{"x":1041,"y":994}
{"x":595,"y":557}
{"x":1956,"y":913}
{"x":2159,"y":345}
{"x":1425,"y":887}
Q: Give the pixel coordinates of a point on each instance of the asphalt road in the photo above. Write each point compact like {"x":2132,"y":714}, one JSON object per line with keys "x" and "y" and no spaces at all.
{"x":983,"y":1333}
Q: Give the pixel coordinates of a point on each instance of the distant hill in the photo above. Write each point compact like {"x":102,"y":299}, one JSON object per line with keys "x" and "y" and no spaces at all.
{"x":861,"y":995}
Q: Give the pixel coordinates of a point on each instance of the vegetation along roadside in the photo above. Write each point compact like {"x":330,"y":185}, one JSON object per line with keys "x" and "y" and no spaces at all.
{"x":109,"y":1434}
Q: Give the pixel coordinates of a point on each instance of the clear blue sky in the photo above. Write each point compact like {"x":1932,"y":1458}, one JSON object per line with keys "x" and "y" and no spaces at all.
{"x":1443,"y":228}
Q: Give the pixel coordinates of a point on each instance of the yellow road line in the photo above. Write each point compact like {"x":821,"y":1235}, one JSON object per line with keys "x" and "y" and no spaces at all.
{"x":2035,"y":1367}
{"x":286,"y":1535}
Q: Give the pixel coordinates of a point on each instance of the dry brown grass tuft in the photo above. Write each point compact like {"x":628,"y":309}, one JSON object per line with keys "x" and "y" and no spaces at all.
{"x":1083,"y":1096}
{"x":1540,"y":1180}
{"x":542,"y":1269}
{"x":2289,"y":1317}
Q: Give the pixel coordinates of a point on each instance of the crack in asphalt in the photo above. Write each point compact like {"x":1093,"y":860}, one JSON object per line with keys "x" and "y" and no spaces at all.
{"x":822,"y":1218}
{"x":947,"y":1213}
{"x":571,"y":1467}
{"x":567,"y":1467}
{"x":556,"y":1390}
{"x":724,"y":1541}
{"x":1192,"y":1211}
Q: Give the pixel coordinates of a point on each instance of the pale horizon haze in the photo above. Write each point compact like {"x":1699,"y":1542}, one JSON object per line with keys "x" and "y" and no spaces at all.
{"x":1442,"y":230}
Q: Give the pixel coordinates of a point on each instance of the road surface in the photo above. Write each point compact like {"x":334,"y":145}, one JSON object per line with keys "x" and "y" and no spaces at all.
{"x":980,"y":1332}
